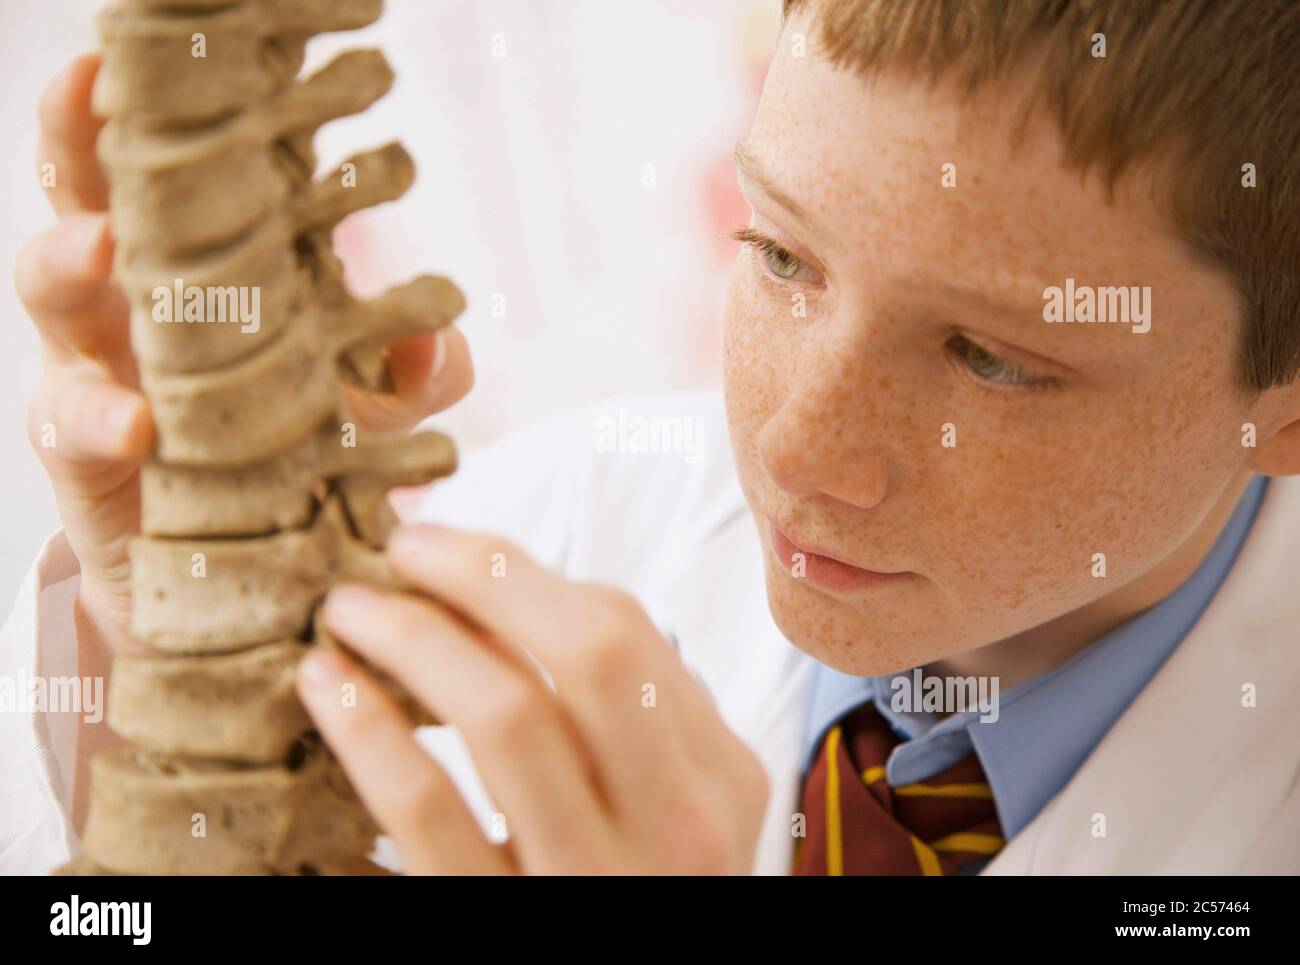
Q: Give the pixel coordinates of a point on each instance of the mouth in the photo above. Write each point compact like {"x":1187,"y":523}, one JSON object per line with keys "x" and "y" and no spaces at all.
{"x":825,"y":570}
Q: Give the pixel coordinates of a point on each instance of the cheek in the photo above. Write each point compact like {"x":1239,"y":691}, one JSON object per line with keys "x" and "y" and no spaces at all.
{"x":756,"y":350}
{"x":1127,"y":477}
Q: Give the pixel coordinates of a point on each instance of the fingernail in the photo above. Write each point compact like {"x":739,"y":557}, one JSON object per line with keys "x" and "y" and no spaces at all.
{"x":85,"y":235}
{"x":347,"y":600}
{"x":67,"y":75}
{"x":118,"y":417}
{"x":73,"y":242}
{"x":439,"y":354}
{"x":415,"y":540}
{"x":322,"y":669}
{"x":91,"y":232}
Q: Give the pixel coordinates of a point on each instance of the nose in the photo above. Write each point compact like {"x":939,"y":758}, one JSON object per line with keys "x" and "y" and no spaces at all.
{"x":824,"y":438}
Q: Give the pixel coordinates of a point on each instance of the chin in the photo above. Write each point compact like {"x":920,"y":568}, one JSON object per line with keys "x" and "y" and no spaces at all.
{"x":832,"y":632}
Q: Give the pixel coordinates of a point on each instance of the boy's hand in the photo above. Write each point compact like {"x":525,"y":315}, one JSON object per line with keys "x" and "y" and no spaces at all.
{"x":625,"y":768}
{"x":88,"y":423}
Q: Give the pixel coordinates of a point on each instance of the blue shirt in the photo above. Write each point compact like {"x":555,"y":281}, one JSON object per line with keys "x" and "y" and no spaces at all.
{"x":1047,"y":725}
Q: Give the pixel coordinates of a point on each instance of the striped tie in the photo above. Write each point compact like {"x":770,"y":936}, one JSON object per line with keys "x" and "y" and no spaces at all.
{"x":856,"y":824}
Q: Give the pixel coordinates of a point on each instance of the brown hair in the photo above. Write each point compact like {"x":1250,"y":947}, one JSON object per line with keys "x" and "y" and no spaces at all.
{"x":1198,"y":88}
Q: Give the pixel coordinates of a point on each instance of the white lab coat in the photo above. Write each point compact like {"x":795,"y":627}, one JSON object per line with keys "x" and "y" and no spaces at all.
{"x":1188,"y":780}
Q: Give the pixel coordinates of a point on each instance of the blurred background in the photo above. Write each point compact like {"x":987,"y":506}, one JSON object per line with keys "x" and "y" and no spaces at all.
{"x":575,"y":180}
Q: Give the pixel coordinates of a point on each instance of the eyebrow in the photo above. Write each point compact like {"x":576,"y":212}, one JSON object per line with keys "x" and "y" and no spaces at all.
{"x":754,"y":169}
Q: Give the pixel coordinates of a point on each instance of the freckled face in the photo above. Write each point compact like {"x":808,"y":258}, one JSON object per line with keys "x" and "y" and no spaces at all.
{"x":849,"y":350}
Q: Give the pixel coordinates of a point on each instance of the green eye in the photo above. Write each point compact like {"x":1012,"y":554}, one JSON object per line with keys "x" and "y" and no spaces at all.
{"x":994,"y":368}
{"x":779,"y":261}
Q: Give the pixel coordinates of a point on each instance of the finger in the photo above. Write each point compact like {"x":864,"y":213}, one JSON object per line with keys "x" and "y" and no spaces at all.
{"x":530,"y":760}
{"x":408,"y":793}
{"x":430,"y":373}
{"x":70,"y":171}
{"x":83,"y":425}
{"x":411,"y":361}
{"x":501,"y":587}
{"x":621,"y":683}
{"x":63,"y":278}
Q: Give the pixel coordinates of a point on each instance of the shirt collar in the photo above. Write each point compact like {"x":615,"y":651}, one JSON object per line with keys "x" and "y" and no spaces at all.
{"x":1048,"y":725}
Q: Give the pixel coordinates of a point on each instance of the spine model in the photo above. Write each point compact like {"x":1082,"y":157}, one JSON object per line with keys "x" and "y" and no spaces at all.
{"x":261,"y":492}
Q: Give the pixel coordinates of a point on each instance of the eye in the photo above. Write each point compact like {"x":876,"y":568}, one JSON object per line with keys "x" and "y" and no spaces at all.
{"x":994,"y":368}
{"x":779,"y":262}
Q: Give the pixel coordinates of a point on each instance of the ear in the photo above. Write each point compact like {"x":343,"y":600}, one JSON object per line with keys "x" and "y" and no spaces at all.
{"x":1277,"y":450}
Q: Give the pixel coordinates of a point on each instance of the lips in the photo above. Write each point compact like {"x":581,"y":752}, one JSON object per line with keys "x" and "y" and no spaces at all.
{"x":825,"y":570}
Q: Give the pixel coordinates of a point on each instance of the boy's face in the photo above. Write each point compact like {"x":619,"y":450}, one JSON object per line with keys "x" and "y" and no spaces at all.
{"x":923,"y":307}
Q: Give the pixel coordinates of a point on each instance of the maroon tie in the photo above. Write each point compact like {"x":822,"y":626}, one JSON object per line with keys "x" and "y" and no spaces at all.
{"x":856,"y":824}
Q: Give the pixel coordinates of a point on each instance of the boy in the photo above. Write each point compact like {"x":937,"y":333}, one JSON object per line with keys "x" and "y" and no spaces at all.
{"x":950,"y":466}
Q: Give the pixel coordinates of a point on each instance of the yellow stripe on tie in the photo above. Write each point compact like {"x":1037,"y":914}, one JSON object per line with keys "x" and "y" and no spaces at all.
{"x":970,"y":842}
{"x":926,"y":858}
{"x":834,"y":842}
{"x":873,"y":774}
{"x":945,"y":790}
